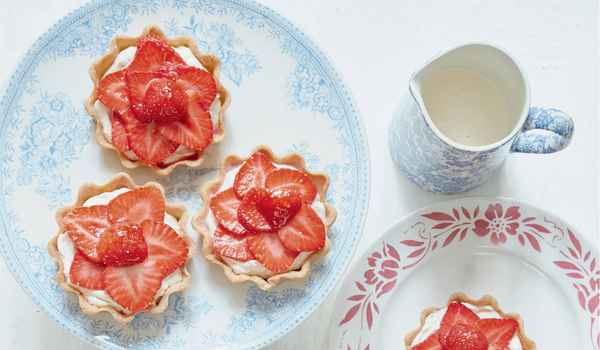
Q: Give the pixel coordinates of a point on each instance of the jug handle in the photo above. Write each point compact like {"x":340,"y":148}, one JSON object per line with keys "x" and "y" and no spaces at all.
{"x":546,"y":130}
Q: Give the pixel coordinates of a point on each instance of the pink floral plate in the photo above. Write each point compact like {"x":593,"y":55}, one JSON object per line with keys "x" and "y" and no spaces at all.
{"x":531,"y":261}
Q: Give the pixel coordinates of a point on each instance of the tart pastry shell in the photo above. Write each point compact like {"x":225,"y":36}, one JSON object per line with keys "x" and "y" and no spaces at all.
{"x":484,"y":301}
{"x":210,"y":62}
{"x":89,"y":190}
{"x":210,"y":188}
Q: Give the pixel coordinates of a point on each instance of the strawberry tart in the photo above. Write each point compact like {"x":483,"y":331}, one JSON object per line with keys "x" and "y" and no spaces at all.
{"x":264,"y":218}
{"x":468,"y":324}
{"x":121,"y":248}
{"x":157,"y":101}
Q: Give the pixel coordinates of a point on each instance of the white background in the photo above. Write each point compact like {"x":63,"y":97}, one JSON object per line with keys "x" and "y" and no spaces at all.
{"x":376,"y":45}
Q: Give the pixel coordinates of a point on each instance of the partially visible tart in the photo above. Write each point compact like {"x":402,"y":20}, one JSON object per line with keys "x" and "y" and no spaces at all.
{"x":265,"y":219}
{"x":469,"y":324}
{"x":121,"y":248}
{"x":157,"y":101}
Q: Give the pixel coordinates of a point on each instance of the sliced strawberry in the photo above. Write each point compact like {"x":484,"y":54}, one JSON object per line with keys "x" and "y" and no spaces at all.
{"x":305,"y":232}
{"x":269,"y":251}
{"x":85,"y":225}
{"x":119,"y":132}
{"x":136,"y":206}
{"x":455,"y":314}
{"x":165,"y":246}
{"x":498,"y":332}
{"x":134,"y":287}
{"x":292,"y":180}
{"x":248,"y":213}
{"x":156,"y":97}
{"x":224,"y":206}
{"x":253,"y":173}
{"x":152,"y":54}
{"x":112,"y":92}
{"x":231,"y":246}
{"x":194,"y":131}
{"x":464,"y":337}
{"x":198,"y":81}
{"x":123,"y":245}
{"x":137,"y":85}
{"x":147,"y":142}
{"x":431,"y":343}
{"x":279,"y":207}
{"x":85,"y":273}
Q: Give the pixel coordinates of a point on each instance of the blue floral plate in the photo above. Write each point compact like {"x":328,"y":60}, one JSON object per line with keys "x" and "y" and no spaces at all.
{"x":284,"y":93}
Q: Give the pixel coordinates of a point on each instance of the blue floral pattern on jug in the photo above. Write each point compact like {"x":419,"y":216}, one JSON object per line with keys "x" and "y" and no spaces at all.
{"x":437,"y":166}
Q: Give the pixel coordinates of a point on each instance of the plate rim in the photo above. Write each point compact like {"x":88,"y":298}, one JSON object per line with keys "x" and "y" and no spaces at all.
{"x":335,"y":335}
{"x":28,"y":58}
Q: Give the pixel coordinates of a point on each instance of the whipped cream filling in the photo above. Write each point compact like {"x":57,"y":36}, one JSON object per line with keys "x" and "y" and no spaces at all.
{"x":254,"y":267}
{"x":103,"y":113}
{"x":67,"y":250}
{"x":434,"y":321}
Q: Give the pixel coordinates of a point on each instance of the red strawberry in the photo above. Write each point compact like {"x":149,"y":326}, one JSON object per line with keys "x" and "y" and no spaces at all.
{"x":195,"y":130}
{"x":248,"y":213}
{"x":123,"y":245}
{"x":85,"y":225}
{"x":119,"y":132}
{"x":198,"y":81}
{"x":305,"y":232}
{"x":136,"y":206}
{"x":156,"y":97}
{"x":152,"y":54}
{"x":253,"y":173}
{"x":165,"y":246}
{"x":431,"y":343}
{"x":85,"y":273}
{"x":498,"y":332}
{"x":134,"y":287}
{"x":279,"y":207}
{"x":464,"y":337}
{"x":224,"y":206}
{"x":147,"y":142}
{"x":456,"y":313}
{"x":269,"y":251}
{"x":137,"y":85}
{"x":112,"y":91}
{"x":231,"y":246}
{"x":292,"y":180}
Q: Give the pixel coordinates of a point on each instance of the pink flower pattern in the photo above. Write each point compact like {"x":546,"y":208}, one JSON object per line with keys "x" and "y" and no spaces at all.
{"x":497,"y":222}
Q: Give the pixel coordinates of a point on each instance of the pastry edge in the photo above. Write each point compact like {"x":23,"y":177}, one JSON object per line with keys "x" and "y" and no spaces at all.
{"x":486,"y":300}
{"x":320,"y":180}
{"x":88,"y":190}
{"x":119,"y":43}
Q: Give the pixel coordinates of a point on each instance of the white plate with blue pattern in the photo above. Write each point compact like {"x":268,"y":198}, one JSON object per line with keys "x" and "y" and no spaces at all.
{"x":285,"y":93}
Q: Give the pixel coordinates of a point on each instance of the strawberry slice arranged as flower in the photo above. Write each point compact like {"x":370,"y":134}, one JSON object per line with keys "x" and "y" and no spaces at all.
{"x":224,"y":206}
{"x":231,"y":246}
{"x":137,"y":206}
{"x":455,"y":314}
{"x":269,"y":251}
{"x":167,"y":248}
{"x":292,"y":180}
{"x":112,"y":92}
{"x":119,"y":132}
{"x":195,"y":130}
{"x":253,"y":173}
{"x":196,"y":81}
{"x":147,"y":142}
{"x":305,"y":232}
{"x":152,"y":54}
{"x":85,"y":226}
{"x":431,"y":343}
{"x":85,"y":273}
{"x":498,"y":332}
{"x":249,"y":214}
{"x":134,"y":287}
{"x":464,"y":337}
{"x":123,"y":245}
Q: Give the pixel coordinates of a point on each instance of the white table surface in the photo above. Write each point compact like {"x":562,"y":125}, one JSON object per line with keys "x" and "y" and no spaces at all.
{"x":376,"y":45}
